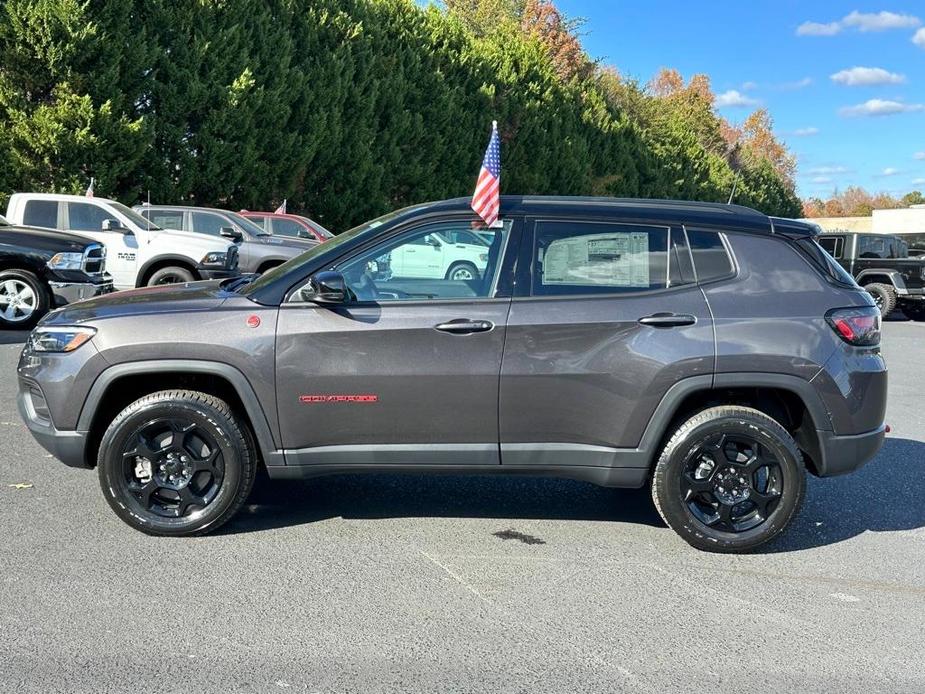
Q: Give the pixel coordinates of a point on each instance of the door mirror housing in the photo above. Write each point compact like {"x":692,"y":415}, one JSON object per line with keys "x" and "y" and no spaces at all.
{"x":327,"y":287}
{"x":432,"y":241}
{"x":231,"y":233}
{"x":114,"y":225}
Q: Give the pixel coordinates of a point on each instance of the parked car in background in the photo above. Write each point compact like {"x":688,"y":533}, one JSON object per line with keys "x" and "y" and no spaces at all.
{"x":457,"y":254}
{"x":704,"y":349}
{"x":915,"y":242}
{"x":138,"y":253}
{"x":294,"y":225}
{"x":258,"y":250}
{"x":882,"y":264}
{"x":43,"y":269}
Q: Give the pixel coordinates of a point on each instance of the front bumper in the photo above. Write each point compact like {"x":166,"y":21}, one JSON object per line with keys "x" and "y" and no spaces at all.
{"x":839,"y":455}
{"x":212,"y":273}
{"x":66,"y":292}
{"x":67,"y":446}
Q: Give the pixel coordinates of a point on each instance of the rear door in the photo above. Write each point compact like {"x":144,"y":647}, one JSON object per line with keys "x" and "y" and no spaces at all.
{"x":407,"y":373}
{"x":605,"y":319}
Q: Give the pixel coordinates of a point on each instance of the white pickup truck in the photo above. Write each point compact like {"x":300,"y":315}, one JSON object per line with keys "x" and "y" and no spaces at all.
{"x":138,"y":253}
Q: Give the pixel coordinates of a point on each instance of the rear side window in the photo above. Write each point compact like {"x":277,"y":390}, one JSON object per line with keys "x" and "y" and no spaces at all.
{"x":165,"y":220}
{"x":41,"y":213}
{"x":84,"y":216}
{"x":574,"y":258}
{"x":833,"y":245}
{"x":286,"y":227}
{"x":711,"y":259}
{"x":823,"y":260}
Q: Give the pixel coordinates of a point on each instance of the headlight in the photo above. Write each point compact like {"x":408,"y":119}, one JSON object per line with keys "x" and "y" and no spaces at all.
{"x":214,"y":259}
{"x":60,"y":339}
{"x":66,"y":261}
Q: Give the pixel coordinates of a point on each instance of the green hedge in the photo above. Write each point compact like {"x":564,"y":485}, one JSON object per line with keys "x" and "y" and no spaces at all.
{"x":348,"y":108}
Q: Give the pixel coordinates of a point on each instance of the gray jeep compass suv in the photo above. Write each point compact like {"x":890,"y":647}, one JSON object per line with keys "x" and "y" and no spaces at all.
{"x":707,"y":350}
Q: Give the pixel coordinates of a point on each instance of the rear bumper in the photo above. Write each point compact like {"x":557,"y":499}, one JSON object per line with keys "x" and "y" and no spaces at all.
{"x":67,"y":446}
{"x":839,"y":455}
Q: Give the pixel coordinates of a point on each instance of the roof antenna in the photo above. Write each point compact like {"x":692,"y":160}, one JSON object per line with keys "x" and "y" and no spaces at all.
{"x":732,"y":194}
{"x":732,"y":156}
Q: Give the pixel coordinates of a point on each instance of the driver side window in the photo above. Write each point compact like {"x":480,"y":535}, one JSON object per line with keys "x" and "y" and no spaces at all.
{"x":446,"y":260}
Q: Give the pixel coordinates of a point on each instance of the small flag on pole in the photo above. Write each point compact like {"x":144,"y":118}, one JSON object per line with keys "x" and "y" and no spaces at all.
{"x":486,"y":201}
{"x":282,"y":208}
{"x":89,"y":192}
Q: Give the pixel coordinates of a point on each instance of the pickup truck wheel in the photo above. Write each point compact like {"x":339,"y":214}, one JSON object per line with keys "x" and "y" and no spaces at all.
{"x":176,"y":462}
{"x":23,"y":299}
{"x":884,"y":296}
{"x":729,"y":480}
{"x":462,"y":271}
{"x":170,"y":275}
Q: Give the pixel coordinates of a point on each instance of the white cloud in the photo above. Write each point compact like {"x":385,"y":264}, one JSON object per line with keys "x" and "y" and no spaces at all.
{"x":817,"y":29}
{"x":749,"y":86}
{"x":826,"y":170}
{"x":918,"y":181}
{"x":862,"y":21}
{"x":880,"y":107}
{"x":919,"y":155}
{"x":867,"y":76}
{"x":919,"y":38}
{"x":735,"y":99}
{"x":890,"y":171}
{"x":806,"y":132}
{"x":821,"y":180}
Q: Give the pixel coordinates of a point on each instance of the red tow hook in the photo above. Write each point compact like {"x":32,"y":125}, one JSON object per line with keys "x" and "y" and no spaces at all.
{"x":888,"y":428}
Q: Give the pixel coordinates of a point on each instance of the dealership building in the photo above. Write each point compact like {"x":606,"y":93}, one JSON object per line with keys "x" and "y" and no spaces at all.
{"x":880,"y":222}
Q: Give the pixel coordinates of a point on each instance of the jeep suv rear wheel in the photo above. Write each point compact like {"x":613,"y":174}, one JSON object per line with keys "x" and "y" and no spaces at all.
{"x":884,"y":296}
{"x":176,"y":462}
{"x":729,"y":479}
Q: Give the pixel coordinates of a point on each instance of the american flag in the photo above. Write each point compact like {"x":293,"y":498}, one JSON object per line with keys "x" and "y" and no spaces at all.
{"x":281,"y":209}
{"x":89,"y":192}
{"x":486,"y":201}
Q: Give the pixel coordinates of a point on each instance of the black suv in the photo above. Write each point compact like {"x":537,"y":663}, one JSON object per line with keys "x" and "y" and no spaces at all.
{"x":884,"y":266}
{"x":42,"y":269}
{"x":705,"y":349}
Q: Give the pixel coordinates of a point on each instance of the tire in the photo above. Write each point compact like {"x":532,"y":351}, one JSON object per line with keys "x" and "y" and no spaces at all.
{"x":170,"y":275}
{"x":914,"y":310}
{"x":693,"y":489}
{"x":884,"y":296}
{"x":24,"y":299}
{"x":192,"y":434}
{"x":462,"y":271}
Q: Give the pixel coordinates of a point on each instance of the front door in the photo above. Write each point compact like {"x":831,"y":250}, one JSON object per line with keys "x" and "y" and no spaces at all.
{"x":86,"y":219}
{"x":406,"y":373}
{"x":605,"y":319}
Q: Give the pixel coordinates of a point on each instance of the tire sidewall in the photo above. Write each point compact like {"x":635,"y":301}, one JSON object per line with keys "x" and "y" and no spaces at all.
{"x":683,"y":521}
{"x":460,"y":266}
{"x":182,"y":274}
{"x":114,"y":484}
{"x":43,"y":300}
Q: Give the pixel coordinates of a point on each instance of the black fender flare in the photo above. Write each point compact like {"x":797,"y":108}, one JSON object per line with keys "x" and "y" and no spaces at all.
{"x":895,"y":277}
{"x":262,"y":432}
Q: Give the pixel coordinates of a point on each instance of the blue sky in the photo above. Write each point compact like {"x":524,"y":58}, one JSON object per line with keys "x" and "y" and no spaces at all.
{"x":757,"y":54}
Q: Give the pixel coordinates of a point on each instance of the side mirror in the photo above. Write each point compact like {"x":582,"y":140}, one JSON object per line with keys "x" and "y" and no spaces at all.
{"x":231,"y":233}
{"x":327,"y":287}
{"x":431,"y":241}
{"x":113,"y":225}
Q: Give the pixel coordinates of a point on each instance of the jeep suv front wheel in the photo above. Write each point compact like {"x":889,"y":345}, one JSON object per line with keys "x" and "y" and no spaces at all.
{"x":176,"y":462}
{"x":729,"y":479}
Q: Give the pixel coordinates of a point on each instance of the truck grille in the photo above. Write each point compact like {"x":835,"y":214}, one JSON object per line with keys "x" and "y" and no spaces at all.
{"x":231,"y":258}
{"x":94,"y":262}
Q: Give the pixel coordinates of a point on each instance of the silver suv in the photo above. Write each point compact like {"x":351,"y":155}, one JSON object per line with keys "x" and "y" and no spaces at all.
{"x":706,"y":350}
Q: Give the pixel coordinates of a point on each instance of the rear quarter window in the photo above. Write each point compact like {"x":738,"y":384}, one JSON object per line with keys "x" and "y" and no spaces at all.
{"x":822,"y":260}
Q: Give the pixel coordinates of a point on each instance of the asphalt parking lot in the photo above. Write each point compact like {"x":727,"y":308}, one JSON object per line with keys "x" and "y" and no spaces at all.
{"x":398,"y":584}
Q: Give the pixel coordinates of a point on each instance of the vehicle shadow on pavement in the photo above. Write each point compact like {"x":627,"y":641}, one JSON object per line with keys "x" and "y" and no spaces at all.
{"x":13,"y":337}
{"x":883,"y":496}
{"x":275,"y":504}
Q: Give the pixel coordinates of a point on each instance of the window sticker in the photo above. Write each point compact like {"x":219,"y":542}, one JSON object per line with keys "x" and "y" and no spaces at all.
{"x":615,"y":259}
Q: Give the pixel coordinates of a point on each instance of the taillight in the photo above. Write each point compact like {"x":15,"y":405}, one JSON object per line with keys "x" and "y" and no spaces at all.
{"x":856,"y":326}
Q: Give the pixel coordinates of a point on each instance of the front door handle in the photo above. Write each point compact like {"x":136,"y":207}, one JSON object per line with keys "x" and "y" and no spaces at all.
{"x":668,"y":320}
{"x":465,"y":326}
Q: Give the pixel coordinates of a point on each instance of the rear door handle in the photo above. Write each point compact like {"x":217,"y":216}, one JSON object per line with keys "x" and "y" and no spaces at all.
{"x":465,"y":326}
{"x":668,"y":320}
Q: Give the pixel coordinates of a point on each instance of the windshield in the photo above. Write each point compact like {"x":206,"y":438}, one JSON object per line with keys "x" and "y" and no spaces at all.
{"x":134,"y":217}
{"x":294,"y":263}
{"x":247,"y":224}
{"x":317,"y":227}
